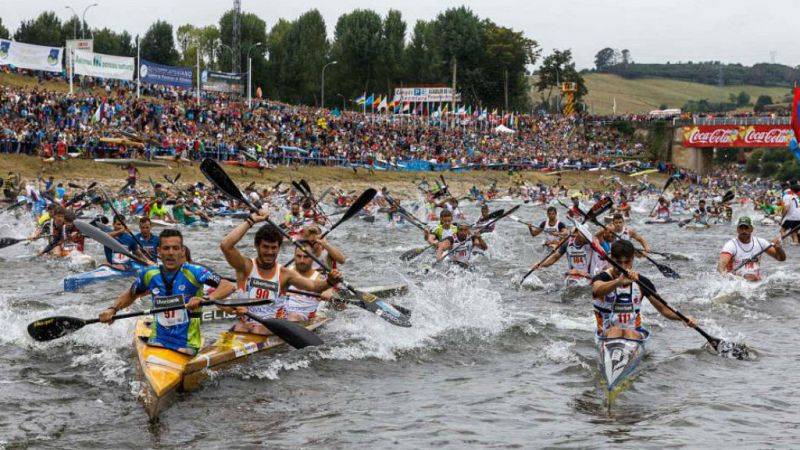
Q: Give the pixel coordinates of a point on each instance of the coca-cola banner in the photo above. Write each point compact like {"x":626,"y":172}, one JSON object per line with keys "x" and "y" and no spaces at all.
{"x":737,"y":136}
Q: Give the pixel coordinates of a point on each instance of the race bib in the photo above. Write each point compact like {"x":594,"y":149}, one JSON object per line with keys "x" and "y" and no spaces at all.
{"x":171,"y":318}
{"x":261,"y":288}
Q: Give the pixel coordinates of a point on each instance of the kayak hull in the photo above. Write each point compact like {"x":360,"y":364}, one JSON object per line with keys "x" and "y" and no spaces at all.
{"x":103,"y":273}
{"x":163,"y":372}
{"x":619,"y":360}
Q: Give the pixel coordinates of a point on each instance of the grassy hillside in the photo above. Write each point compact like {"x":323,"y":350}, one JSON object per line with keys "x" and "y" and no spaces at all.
{"x":644,"y":95}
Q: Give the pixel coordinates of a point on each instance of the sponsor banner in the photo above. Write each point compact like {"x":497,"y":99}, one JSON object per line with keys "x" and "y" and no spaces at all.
{"x":80,"y":44}
{"x":151,"y":72}
{"x":222,"y":82}
{"x":28,"y":56}
{"x":425,"y":94}
{"x":103,"y":66}
{"x":737,"y":136}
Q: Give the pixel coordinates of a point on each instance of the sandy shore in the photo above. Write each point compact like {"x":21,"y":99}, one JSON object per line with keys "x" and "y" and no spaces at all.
{"x":320,"y":178}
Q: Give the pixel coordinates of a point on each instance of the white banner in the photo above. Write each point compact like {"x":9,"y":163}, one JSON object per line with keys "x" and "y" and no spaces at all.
{"x":103,"y":66}
{"x":80,"y":44}
{"x":28,"y":56}
{"x":425,"y":94}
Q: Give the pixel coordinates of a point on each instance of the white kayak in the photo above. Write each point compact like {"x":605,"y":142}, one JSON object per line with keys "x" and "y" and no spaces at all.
{"x":619,"y":359}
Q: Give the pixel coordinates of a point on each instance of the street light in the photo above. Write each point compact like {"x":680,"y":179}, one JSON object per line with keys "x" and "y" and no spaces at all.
{"x":229,"y":48}
{"x":250,"y":73}
{"x":83,"y":19}
{"x":74,"y":25}
{"x":323,"y":80}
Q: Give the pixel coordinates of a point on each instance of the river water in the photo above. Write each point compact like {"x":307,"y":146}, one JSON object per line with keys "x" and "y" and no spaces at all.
{"x":487,"y":364}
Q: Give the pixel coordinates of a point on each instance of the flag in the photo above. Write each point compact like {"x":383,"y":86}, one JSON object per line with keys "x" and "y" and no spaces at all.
{"x":98,"y":114}
{"x":446,"y":109}
{"x":362,"y":99}
{"x":795,"y":113}
{"x":383,"y":104}
{"x":418,"y":109}
{"x":377,"y":102}
{"x":369,"y":100}
{"x":336,"y":113}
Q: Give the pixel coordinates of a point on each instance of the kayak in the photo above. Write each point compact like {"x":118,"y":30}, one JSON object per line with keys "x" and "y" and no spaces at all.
{"x":165,"y":372}
{"x":102,"y":273}
{"x":575,"y":281}
{"x":658,"y":221}
{"x":697,"y":226}
{"x":135,"y":162}
{"x":233,"y":214}
{"x":161,"y":223}
{"x":618,"y":359}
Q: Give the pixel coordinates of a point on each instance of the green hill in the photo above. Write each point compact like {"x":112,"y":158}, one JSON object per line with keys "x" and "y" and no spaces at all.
{"x":644,"y":95}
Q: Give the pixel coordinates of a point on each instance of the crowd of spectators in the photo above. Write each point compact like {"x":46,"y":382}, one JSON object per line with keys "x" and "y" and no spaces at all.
{"x":34,"y":120}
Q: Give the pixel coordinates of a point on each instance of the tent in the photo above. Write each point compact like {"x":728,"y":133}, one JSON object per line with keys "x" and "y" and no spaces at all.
{"x":503,"y":129}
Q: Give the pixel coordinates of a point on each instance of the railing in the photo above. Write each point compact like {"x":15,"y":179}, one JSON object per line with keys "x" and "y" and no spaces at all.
{"x":751,"y":120}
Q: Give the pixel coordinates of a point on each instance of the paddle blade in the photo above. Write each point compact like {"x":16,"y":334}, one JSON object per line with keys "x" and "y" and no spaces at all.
{"x":669,"y":182}
{"x":359,"y":204}
{"x":728,"y":349}
{"x":168,"y":178}
{"x":54,"y":327}
{"x":6,"y":242}
{"x":217,"y":176}
{"x":728,"y":197}
{"x":385,"y":311}
{"x":73,"y":185}
{"x":291,"y":333}
{"x":100,"y":236}
{"x":665,"y":270}
{"x":413,"y":253}
{"x":177,"y":177}
{"x":305,"y":185}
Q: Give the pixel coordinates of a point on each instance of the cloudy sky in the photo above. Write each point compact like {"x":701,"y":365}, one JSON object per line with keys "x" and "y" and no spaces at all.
{"x":676,"y":30}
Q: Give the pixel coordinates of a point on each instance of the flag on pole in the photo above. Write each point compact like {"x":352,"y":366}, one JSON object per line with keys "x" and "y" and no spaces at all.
{"x":796,"y":112}
{"x":362,"y":99}
{"x":98,"y":114}
{"x":406,"y":106}
{"x":377,"y":102}
{"x":383,"y":104}
{"x":369,"y":100}
{"x":418,"y":109}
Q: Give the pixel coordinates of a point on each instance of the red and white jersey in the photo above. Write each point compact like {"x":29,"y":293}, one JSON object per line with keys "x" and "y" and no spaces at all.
{"x":741,"y":252}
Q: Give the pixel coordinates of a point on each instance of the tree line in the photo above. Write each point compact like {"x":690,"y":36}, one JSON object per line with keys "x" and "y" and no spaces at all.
{"x":373,"y":54}
{"x":609,"y":60}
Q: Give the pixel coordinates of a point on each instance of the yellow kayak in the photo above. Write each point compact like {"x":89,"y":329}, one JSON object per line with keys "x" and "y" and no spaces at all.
{"x":165,"y":372}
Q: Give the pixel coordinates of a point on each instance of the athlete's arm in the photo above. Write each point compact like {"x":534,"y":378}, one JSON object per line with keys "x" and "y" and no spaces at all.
{"x":641,"y":239}
{"x":535,"y":231}
{"x":478,"y":241}
{"x":776,"y":251}
{"x":552,"y":258}
{"x":228,"y":244}
{"x":123,"y":301}
{"x":291,"y":277}
{"x":333,"y":252}
{"x":443,"y":247}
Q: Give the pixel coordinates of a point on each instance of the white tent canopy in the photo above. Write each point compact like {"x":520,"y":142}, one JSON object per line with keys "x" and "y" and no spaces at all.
{"x":503,"y":129}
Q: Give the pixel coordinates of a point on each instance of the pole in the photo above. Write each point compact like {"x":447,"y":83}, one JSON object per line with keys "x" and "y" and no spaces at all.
{"x":249,"y":80}
{"x":139,"y":71}
{"x":505,"y":86}
{"x":197,"y":50}
{"x":83,"y":20}
{"x":70,"y":68}
{"x":322,"y":97}
{"x":452,"y":113}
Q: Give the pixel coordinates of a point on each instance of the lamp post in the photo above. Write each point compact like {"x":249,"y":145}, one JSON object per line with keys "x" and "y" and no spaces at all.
{"x":322,"y":103}
{"x":74,"y":25}
{"x":83,"y":19}
{"x":250,"y":74}
{"x":229,"y":48}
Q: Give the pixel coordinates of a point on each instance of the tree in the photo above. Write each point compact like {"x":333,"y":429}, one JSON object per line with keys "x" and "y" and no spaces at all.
{"x":461,"y":39}
{"x":423,"y":59}
{"x":558,"y":67}
{"x":254,"y":30}
{"x":44,"y":30}
{"x":108,"y":42}
{"x":626,"y":57}
{"x":357,"y":45}
{"x":394,"y":42}
{"x":306,"y":52}
{"x":275,"y":68}
{"x":157,"y":45}
{"x":508,"y":53}
{"x":190,"y":38}
{"x":743,"y":99}
{"x":761,"y":102}
{"x":604,"y":59}
{"x":3,"y":30}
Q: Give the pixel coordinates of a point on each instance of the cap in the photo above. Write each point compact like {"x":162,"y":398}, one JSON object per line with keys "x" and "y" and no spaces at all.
{"x":746,"y":221}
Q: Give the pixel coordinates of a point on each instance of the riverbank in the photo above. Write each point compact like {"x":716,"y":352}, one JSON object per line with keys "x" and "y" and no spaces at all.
{"x":400,"y":183}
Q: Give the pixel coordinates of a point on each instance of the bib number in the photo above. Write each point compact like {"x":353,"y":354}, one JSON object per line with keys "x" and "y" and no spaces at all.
{"x":171,"y":318}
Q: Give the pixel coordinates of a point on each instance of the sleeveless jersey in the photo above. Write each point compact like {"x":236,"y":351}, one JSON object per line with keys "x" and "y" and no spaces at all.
{"x":625,"y":234}
{"x":304,"y":304}
{"x":255,"y":286}
{"x":554,"y":229}
{"x":464,"y":252}
{"x":620,"y":307}
{"x":742,"y":252}
{"x":579,"y":257}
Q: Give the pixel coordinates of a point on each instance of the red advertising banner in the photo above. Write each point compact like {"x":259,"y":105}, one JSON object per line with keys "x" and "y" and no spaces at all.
{"x":737,"y":136}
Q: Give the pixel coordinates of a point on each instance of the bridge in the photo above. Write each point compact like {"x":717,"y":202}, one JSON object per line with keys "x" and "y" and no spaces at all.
{"x":694,"y":140}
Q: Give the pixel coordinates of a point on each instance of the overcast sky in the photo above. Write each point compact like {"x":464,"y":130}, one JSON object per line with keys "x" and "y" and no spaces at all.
{"x":654,"y":32}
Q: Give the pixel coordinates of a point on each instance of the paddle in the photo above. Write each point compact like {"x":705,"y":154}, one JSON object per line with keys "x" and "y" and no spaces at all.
{"x":354,"y":208}
{"x":58,"y":326}
{"x":409,"y":216}
{"x":597,"y":210}
{"x":8,"y":242}
{"x":119,"y":217}
{"x":518,"y":220}
{"x":663,"y":268}
{"x":104,"y":239}
{"x":172,"y":182}
{"x":726,"y":198}
{"x":337,"y":298}
{"x":217,"y":176}
{"x":755,"y":257}
{"x":80,"y":196}
{"x":738,"y":351}
{"x":15,"y":205}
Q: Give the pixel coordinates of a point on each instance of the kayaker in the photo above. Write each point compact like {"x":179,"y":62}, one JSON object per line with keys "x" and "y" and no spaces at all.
{"x":662,"y":213}
{"x":261,"y":277}
{"x":159,"y":211}
{"x":323,"y":250}
{"x":294,"y":220}
{"x":582,"y":260}
{"x":443,"y":230}
{"x":618,"y":230}
{"x":555,"y":229}
{"x":464,"y":242}
{"x":117,"y":260}
{"x":147,"y":238}
{"x":791,"y":212}
{"x":299,"y":307}
{"x":741,"y":250}
{"x":172,"y":283}
{"x":700,"y":214}
{"x":618,"y":299}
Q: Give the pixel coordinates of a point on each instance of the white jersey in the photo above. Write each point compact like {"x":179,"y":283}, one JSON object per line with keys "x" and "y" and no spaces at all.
{"x":580,"y":257}
{"x":624,"y":235}
{"x":304,"y":304}
{"x":463,"y":253}
{"x":743,"y":252}
{"x":256,"y":286}
{"x":792,"y":205}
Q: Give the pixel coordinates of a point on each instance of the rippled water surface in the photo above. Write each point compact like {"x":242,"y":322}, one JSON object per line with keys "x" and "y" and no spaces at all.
{"x":487,"y":363}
